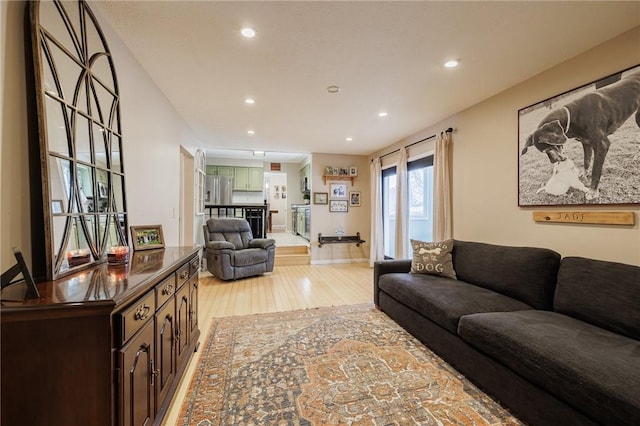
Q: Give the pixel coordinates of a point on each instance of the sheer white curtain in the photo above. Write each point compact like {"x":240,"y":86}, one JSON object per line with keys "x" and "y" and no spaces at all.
{"x":402,"y":206}
{"x":377,"y":237}
{"x":442,"y":216}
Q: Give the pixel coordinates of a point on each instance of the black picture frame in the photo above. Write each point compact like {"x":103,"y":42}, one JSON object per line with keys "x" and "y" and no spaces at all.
{"x":8,"y":277}
{"x":566,"y":126}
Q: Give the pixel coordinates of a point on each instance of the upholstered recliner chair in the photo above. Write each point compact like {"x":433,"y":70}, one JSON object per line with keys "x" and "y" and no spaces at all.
{"x":233,"y":253}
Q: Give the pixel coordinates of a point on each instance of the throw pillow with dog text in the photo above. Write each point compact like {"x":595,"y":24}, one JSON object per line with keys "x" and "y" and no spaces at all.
{"x":432,"y":258}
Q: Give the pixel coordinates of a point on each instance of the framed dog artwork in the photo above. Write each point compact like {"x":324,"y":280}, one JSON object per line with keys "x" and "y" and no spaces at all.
{"x":582,"y":147}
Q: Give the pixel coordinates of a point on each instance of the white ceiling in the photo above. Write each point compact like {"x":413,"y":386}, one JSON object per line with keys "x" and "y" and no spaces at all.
{"x":383,"y":55}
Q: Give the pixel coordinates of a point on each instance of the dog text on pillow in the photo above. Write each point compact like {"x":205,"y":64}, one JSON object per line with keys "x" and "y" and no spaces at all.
{"x":432,"y":258}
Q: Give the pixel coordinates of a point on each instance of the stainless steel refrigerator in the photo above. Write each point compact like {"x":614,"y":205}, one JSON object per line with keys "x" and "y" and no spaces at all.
{"x":218,"y":190}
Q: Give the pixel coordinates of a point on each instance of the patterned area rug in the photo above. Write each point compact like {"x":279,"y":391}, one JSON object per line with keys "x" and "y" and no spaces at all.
{"x":349,"y":365}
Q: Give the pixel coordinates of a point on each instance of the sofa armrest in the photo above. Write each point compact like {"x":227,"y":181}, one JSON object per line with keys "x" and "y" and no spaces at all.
{"x":220,"y":245}
{"x":382,"y":267}
{"x":263,"y":243}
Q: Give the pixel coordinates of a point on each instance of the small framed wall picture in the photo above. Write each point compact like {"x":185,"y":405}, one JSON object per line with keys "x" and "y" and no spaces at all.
{"x":147,"y":237}
{"x":56,"y":207}
{"x":353,"y":171}
{"x":338,"y":191}
{"x":354,"y":198}
{"x":320,"y":198}
{"x":340,"y":206}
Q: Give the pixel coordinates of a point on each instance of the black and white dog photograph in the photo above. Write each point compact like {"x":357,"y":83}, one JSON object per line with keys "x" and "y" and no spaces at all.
{"x":582,"y":147}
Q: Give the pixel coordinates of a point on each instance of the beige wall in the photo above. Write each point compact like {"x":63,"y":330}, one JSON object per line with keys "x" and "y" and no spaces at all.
{"x":153,"y":134}
{"x":485,"y":170}
{"x":357,"y":219}
{"x":14,"y":172}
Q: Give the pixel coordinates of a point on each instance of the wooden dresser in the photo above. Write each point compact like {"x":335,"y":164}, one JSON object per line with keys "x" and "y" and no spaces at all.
{"x":106,"y":346}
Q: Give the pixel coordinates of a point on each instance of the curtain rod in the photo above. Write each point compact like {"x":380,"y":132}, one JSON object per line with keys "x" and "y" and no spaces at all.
{"x":449,"y":130}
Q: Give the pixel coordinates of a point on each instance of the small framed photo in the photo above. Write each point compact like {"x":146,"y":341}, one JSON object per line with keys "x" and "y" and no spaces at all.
{"x":57,"y":207}
{"x":354,"y":198}
{"x":338,"y":191}
{"x":284,"y":195}
{"x":147,"y":237}
{"x":320,"y":198}
{"x":102,"y":190}
{"x":353,"y":171}
{"x":340,"y":206}
{"x":328,"y":170}
{"x":344,"y":171}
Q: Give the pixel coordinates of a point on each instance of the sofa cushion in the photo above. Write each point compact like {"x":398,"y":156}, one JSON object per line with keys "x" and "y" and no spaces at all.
{"x":444,"y":300}
{"x":606,"y":294}
{"x":590,"y":368}
{"x":432,"y":258}
{"x":248,"y":257}
{"x":524,"y":273}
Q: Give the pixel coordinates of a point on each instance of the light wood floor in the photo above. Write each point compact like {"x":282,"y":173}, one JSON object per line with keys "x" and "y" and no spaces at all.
{"x":287,"y":288}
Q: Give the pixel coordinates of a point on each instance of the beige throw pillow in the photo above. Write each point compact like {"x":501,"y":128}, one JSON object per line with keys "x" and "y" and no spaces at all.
{"x":432,"y":258}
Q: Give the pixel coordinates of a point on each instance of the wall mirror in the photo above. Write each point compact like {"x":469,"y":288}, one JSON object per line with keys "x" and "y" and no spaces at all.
{"x":80,"y":137}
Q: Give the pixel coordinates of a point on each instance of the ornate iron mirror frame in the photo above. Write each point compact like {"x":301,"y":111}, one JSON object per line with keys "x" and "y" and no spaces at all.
{"x":80,"y":137}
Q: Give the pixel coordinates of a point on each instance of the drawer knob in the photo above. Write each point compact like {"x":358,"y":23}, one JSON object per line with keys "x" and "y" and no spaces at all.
{"x":168,"y":290}
{"x":184,"y":274}
{"x":142,"y":312}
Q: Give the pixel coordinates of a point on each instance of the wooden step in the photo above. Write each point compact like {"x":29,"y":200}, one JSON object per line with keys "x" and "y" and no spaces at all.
{"x":292,"y":255}
{"x":286,"y":250}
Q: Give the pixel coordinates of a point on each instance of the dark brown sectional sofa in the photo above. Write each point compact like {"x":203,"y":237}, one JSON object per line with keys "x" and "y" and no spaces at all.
{"x":555,"y":340}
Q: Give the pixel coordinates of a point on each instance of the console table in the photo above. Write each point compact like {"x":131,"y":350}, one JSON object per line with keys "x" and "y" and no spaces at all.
{"x":105,"y":346}
{"x":340,"y":239}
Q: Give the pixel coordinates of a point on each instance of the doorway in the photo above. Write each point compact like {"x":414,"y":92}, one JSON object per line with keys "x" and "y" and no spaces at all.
{"x":277,"y":198}
{"x":187,"y":198}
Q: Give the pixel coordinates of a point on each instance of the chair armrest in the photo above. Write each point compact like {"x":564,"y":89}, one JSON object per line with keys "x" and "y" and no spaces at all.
{"x":220,"y":245}
{"x":382,"y":267}
{"x":263,"y":243}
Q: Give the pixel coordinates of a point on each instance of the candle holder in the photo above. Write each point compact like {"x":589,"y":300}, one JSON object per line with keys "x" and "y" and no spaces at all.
{"x":78,"y":257}
{"x":118,"y":255}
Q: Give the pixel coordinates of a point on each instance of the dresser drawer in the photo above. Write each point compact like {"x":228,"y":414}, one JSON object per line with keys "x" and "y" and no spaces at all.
{"x":137,"y":315}
{"x":194,"y":264}
{"x":165,"y":290}
{"x":183,"y":274}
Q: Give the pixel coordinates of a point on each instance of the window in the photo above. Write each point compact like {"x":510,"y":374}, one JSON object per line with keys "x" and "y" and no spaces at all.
{"x":420,"y":175}
{"x":389,"y":211}
{"x":420,"y":198}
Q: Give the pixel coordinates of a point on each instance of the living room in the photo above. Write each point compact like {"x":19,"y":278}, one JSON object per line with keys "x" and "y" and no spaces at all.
{"x":485,"y":157}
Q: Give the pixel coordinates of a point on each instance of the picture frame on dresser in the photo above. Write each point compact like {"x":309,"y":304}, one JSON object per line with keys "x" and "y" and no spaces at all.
{"x":146,"y":237}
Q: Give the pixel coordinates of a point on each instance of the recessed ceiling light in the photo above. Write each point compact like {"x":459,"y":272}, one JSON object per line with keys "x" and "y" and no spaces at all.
{"x":248,"y":32}
{"x":349,"y":139}
{"x":258,"y":153}
{"x":251,"y":132}
{"x":249,"y":101}
{"x":451,"y":64}
{"x":382,"y":114}
{"x":333,"y":89}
